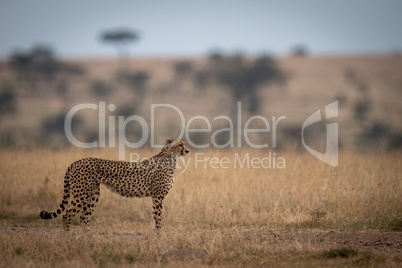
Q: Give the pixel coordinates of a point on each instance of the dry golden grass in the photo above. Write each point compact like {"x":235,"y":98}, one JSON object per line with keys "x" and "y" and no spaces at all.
{"x":235,"y":216}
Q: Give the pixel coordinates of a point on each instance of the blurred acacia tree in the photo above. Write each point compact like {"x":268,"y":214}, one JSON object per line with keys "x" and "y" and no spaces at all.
{"x":52,"y":130}
{"x":242,"y":77}
{"x":137,"y":83}
{"x":183,"y":69}
{"x":101,"y":88}
{"x":201,"y":79}
{"x":300,"y":51}
{"x":120,"y":38}
{"x":8,"y":104}
{"x":363,"y":105}
{"x":40,"y":65}
{"x":33,"y":65}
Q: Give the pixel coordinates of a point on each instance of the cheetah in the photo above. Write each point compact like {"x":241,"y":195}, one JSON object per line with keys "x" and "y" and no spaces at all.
{"x":152,"y":177}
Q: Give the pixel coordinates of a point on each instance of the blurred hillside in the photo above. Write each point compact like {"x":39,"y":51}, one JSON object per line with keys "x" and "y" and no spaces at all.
{"x":37,"y":90}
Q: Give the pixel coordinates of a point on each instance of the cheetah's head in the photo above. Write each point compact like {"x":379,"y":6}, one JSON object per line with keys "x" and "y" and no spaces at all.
{"x":176,"y":147}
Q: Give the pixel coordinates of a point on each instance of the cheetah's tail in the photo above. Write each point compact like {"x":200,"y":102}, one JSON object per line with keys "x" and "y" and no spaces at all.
{"x":64,"y":203}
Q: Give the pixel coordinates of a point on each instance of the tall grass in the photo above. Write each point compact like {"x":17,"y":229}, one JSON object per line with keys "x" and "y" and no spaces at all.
{"x":224,"y":212}
{"x":364,"y":191}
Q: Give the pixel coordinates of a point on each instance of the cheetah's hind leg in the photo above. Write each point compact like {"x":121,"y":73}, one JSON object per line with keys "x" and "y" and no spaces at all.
{"x":89,"y":207}
{"x":74,"y":208}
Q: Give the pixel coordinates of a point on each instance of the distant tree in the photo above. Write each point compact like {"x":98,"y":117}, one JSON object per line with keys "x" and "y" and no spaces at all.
{"x":132,"y":131}
{"x":44,"y":62}
{"x":363,"y":88}
{"x":342,"y":99}
{"x":363,"y":105}
{"x":126,"y":110}
{"x":20,"y":62}
{"x":52,"y":130}
{"x":101,"y":88}
{"x":243,"y":78}
{"x":376,"y":131}
{"x":34,"y":64}
{"x":8,"y":104}
{"x":120,"y":38}
{"x":395,"y":142}
{"x":65,"y":74}
{"x":201,"y":79}
{"x":216,"y":55}
{"x":70,"y":70}
{"x":300,"y":51}
{"x":182,"y":69}
{"x":137,"y":81}
{"x":376,"y":135}
{"x":350,"y":75}
{"x":54,"y":125}
{"x":361,"y":110}
{"x":39,"y":64}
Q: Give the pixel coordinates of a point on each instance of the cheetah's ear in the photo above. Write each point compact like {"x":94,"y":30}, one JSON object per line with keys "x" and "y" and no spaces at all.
{"x":169,"y":142}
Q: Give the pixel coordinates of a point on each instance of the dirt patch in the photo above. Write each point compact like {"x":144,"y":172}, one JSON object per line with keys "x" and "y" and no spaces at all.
{"x":375,"y":242}
{"x":184,"y":254}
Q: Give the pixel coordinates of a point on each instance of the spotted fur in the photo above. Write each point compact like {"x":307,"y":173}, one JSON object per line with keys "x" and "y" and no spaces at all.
{"x":152,"y":177}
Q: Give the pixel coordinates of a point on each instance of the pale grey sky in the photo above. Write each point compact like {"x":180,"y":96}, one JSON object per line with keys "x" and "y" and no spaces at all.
{"x":192,"y":28}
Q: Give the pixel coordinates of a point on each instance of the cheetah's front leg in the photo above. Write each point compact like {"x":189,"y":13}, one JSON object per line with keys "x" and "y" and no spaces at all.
{"x":157,"y":211}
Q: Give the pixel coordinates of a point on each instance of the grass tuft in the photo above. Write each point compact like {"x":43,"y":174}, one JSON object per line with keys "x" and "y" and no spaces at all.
{"x":19,"y":251}
{"x":339,"y":252}
{"x":130,"y":258}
